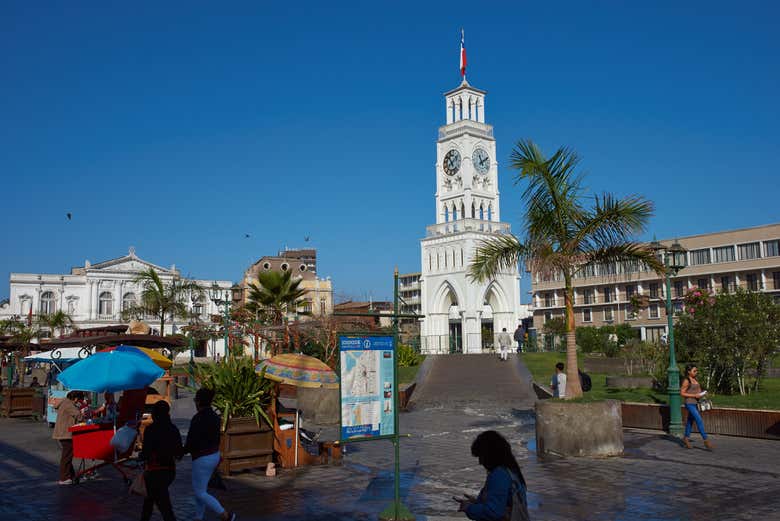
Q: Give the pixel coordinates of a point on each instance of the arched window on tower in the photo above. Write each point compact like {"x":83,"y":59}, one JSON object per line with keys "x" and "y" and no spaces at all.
{"x":481,"y":213}
{"x":454,"y":212}
{"x":461,"y":257}
{"x":462,"y":210}
{"x":446,"y":214}
{"x":490,"y":212}
{"x":473,"y":210}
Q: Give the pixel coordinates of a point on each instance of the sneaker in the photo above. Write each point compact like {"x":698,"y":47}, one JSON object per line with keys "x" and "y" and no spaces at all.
{"x":687,"y":443}
{"x":65,"y":482}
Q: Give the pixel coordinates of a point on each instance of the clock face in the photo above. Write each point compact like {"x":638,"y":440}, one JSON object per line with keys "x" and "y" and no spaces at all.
{"x":481,"y":161}
{"x":452,"y":162}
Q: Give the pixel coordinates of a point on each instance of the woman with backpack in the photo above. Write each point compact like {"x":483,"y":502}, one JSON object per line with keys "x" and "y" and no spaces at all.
{"x":503,"y":497}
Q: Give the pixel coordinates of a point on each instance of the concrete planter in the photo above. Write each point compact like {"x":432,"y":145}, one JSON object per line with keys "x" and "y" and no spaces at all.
{"x":579,"y":429}
{"x":630,"y":382}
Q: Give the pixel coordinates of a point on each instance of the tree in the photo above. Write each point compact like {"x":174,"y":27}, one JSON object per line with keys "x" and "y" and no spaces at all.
{"x":555,"y":327}
{"x":163,"y":299}
{"x":57,"y":321}
{"x":563,"y":234}
{"x":731,"y":336}
{"x":275,"y":292}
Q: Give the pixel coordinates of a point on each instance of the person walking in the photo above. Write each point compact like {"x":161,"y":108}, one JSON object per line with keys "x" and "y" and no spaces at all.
{"x":691,"y":392}
{"x":68,"y":415}
{"x":558,"y":381}
{"x":504,"y":341}
{"x":504,"y":495}
{"x":203,"y":445}
{"x":161,"y":448}
{"x":519,"y":335}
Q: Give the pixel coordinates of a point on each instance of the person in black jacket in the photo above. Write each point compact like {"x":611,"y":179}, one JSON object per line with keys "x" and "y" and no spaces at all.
{"x":203,"y":445}
{"x":161,"y":448}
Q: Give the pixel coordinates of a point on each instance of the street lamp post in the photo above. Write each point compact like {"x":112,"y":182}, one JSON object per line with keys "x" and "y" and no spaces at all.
{"x":674,"y":259}
{"x":216,"y":294}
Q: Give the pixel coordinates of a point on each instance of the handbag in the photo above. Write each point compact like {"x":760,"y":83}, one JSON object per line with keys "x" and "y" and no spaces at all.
{"x":138,"y":486}
{"x":704,"y":404}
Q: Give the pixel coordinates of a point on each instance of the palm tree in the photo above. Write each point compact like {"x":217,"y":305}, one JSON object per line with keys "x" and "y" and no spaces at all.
{"x":163,"y":299}
{"x":276,"y":293}
{"x":563,"y":234}
{"x":59,"y":320}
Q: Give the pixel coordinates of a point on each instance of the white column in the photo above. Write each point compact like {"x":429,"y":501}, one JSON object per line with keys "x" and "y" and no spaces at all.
{"x":450,"y":109}
{"x":763,"y":281}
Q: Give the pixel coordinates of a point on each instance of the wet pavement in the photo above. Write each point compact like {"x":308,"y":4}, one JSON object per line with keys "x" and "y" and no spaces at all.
{"x":656,"y":479}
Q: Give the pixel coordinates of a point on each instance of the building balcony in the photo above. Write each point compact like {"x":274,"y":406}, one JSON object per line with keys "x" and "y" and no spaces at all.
{"x":467,"y":225}
{"x":466,"y":126}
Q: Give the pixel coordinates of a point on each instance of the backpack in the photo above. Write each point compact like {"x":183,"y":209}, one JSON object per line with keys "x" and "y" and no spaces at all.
{"x":585,"y":381}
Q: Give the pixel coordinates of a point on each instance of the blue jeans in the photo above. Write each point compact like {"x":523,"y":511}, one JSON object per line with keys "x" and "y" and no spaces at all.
{"x":694,"y":416}
{"x":202,"y":468}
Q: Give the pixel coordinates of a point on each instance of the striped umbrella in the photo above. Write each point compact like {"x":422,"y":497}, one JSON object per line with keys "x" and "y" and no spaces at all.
{"x":299,"y":370}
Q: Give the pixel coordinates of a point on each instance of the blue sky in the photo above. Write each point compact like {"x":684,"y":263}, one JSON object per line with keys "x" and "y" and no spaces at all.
{"x":179,"y":128}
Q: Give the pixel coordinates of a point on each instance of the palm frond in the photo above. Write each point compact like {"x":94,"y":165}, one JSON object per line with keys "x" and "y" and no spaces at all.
{"x":612,"y":221}
{"x":494,"y":255}
{"x":624,"y":252}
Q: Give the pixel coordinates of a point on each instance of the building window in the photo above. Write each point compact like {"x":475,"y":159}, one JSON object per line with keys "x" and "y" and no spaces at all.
{"x":197,"y":307}
{"x":723,"y":254}
{"x":752,"y":281}
{"x":749,"y":251}
{"x":703,"y":283}
{"x":128,"y":301}
{"x":547,"y":316}
{"x":306,"y":308}
{"x":609,"y":268}
{"x":609,"y":314}
{"x":725,"y":284}
{"x":323,"y":310}
{"x":679,"y":287}
{"x":548,"y":300}
{"x":47,"y":303}
{"x":587,"y":296}
{"x":653,"y":290}
{"x":700,"y":257}
{"x":772,"y":248}
{"x":587,"y":270}
{"x":607,"y":294}
{"x":630,"y":290}
{"x":586,"y":315}
{"x":106,"y":304}
{"x":678,"y":307}
{"x":776,"y":279}
{"x":652,"y":311}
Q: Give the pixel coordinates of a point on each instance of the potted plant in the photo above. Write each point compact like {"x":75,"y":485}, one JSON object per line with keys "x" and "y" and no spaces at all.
{"x":242,"y":397}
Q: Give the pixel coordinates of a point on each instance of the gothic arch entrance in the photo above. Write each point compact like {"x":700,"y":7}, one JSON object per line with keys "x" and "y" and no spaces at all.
{"x":448,"y":306}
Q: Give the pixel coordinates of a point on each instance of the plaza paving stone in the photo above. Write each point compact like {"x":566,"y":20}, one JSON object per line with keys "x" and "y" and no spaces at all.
{"x":656,"y":479}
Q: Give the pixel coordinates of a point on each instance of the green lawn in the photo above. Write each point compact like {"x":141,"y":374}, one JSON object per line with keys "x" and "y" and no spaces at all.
{"x":542,"y":366}
{"x":406,"y":374}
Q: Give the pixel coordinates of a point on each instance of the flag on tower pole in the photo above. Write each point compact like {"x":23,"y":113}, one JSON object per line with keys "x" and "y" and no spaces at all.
{"x":462,"y":55}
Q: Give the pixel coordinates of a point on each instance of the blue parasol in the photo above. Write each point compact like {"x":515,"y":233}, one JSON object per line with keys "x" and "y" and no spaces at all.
{"x":111,"y":371}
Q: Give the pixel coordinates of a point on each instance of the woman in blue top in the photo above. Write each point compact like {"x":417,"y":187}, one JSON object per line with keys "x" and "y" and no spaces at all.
{"x":494,"y":502}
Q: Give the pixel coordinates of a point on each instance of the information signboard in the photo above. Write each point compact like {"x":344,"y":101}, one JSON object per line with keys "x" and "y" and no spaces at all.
{"x":367,"y":386}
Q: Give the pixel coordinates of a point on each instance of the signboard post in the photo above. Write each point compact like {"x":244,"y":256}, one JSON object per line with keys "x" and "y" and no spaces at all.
{"x":369,"y":400}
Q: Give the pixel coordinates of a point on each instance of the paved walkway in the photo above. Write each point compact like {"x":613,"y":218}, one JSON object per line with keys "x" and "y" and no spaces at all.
{"x":655,"y":480}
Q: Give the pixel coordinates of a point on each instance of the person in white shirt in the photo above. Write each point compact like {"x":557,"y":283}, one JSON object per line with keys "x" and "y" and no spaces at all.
{"x":504,"y":341}
{"x":558,"y":382}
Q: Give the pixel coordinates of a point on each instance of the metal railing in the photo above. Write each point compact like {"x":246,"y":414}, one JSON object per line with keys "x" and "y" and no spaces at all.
{"x":466,"y":225}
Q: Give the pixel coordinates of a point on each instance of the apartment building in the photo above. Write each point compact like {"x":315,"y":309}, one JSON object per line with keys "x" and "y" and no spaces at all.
{"x":748,"y":258}
{"x":409,"y":291}
{"x":318,"y":300}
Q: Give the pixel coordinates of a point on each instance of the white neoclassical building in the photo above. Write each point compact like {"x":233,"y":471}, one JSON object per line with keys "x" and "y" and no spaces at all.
{"x":460,"y":314}
{"x":95,"y":294}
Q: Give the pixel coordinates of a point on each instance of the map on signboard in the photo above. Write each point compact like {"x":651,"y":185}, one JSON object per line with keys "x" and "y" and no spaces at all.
{"x":361,"y":373}
{"x":367,"y":392}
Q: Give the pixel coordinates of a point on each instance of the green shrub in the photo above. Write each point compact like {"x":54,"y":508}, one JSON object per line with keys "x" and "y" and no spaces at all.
{"x":238,"y":390}
{"x":407,"y":356}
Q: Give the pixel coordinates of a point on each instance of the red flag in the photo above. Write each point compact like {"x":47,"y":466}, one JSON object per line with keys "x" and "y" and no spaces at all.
{"x":462,"y":55}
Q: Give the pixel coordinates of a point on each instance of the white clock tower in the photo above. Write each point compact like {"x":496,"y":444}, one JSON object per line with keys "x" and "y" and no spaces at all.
{"x":462,"y":315}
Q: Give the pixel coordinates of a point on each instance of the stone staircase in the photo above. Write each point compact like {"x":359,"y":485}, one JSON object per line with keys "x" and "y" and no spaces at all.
{"x":472,"y":379}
